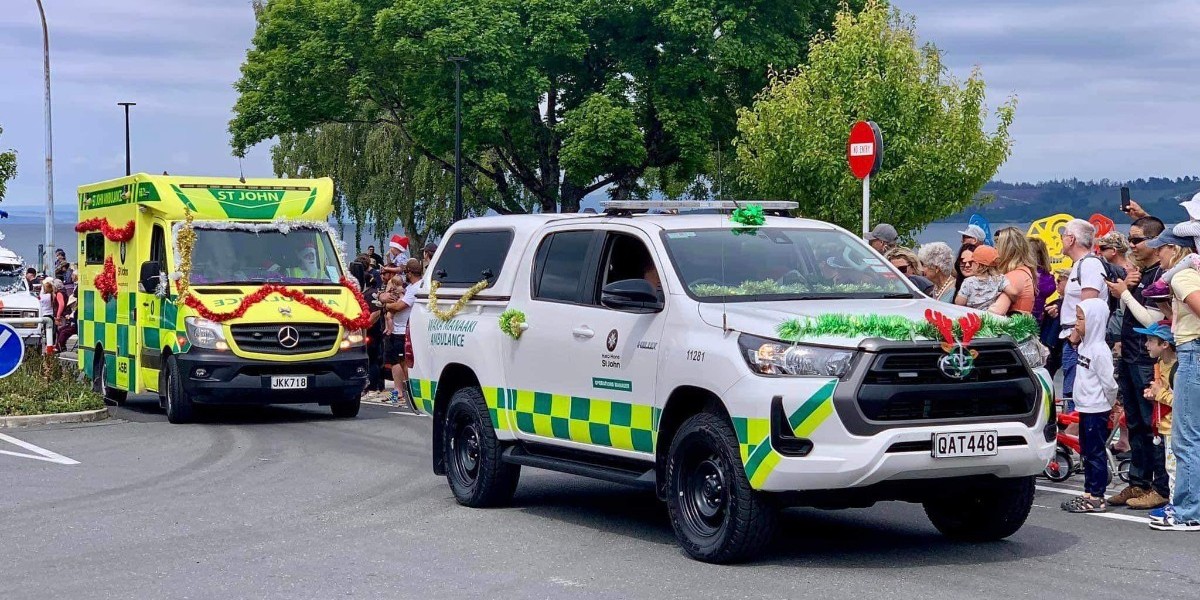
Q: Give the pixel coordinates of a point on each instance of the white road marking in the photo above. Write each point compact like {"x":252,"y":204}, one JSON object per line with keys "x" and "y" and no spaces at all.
{"x":1117,"y":516}
{"x":42,"y":453}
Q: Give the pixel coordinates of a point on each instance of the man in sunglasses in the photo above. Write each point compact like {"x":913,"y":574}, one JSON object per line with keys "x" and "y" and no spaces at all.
{"x":1148,"y":486}
{"x":1086,"y":281}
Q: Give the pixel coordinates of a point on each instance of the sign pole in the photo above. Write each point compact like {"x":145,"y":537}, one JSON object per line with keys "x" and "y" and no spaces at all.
{"x":866,"y":205}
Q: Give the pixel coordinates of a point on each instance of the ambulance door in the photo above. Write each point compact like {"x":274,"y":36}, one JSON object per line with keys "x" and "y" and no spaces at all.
{"x":150,"y":330}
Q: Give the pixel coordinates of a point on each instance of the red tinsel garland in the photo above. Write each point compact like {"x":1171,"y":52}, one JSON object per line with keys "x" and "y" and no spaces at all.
{"x":123,"y":234}
{"x":361,"y":322}
{"x":106,"y":281}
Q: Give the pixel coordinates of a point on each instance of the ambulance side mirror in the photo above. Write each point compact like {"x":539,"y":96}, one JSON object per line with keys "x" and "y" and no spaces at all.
{"x":149,"y":276}
{"x":633,"y":295}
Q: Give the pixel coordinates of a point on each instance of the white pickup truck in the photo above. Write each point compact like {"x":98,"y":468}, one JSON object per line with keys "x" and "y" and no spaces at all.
{"x":735,"y":370}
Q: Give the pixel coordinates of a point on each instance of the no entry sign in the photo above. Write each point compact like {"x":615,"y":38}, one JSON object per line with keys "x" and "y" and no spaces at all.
{"x":864,"y":150}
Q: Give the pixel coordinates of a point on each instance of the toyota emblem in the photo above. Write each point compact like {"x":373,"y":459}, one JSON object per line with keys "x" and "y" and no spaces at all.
{"x":288,"y":337}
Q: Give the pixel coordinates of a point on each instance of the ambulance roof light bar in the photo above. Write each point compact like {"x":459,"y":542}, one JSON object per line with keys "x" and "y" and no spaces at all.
{"x":628,"y":207}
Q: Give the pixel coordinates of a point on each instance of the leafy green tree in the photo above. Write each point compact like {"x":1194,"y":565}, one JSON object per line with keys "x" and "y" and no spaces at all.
{"x":938,"y":155}
{"x":8,"y":168}
{"x":560,"y":98}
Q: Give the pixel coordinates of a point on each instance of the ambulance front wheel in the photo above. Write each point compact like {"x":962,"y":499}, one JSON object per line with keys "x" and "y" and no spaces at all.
{"x":477,"y":476}
{"x":179,"y":406}
{"x":348,"y":408}
{"x":100,"y":381}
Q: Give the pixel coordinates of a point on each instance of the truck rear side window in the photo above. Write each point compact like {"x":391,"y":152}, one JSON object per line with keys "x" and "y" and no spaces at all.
{"x":469,"y":257}
{"x":93,"y":248}
{"x":560,"y":265}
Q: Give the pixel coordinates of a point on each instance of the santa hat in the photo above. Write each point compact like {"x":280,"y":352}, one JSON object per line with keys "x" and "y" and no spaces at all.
{"x":399,"y":242}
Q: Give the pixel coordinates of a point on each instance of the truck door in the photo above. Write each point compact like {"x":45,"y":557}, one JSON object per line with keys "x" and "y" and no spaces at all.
{"x":150,"y":327}
{"x":584,"y":374}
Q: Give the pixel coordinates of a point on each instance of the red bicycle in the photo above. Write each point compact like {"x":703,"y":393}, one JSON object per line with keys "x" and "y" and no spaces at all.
{"x":1066,"y":457}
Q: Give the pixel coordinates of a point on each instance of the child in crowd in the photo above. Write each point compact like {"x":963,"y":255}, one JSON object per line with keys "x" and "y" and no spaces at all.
{"x":1160,"y":344}
{"x":981,"y":289}
{"x":1095,"y":391}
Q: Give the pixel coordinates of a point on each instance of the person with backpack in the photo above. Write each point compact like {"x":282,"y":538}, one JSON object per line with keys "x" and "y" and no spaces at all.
{"x":1086,"y":281}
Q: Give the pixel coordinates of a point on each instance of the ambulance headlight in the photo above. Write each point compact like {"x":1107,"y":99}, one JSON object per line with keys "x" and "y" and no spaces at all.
{"x":1034,"y":353}
{"x":773,"y":357}
{"x":203,"y":333}
{"x":354,"y":339}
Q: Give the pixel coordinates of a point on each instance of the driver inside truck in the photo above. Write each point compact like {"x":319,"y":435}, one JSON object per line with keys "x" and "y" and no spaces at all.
{"x":650,"y":274}
{"x":306,"y":267}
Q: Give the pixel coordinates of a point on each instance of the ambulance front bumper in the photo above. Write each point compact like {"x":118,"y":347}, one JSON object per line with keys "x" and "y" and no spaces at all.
{"x":222,"y":378}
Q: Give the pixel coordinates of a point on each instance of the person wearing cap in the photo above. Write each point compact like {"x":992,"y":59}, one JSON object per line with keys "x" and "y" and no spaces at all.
{"x":1135,"y":367}
{"x":401,"y":309}
{"x":980,"y":290}
{"x":1160,"y":345}
{"x":1185,"y":432}
{"x":974,"y":234}
{"x":397,"y":255}
{"x":882,"y":238}
{"x":1087,"y":280}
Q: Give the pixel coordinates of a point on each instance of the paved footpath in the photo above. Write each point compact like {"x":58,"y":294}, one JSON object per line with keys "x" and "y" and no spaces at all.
{"x":291,"y":503}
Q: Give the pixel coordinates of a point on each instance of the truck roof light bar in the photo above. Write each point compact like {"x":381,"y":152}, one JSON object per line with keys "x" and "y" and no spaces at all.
{"x":628,"y":207}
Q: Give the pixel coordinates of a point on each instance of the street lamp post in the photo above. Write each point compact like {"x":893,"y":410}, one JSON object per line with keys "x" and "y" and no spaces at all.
{"x":458,"y":204}
{"x":127,"y":105}
{"x":48,"y":261}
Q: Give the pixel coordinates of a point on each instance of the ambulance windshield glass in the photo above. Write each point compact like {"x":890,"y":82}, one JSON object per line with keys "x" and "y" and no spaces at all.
{"x":771,"y":263}
{"x":229,"y":256}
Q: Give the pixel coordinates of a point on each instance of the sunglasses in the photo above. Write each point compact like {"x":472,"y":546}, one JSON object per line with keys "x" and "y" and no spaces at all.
{"x":1133,"y":241}
{"x":903,"y":268}
{"x":965,"y":263}
{"x":1105,"y":248}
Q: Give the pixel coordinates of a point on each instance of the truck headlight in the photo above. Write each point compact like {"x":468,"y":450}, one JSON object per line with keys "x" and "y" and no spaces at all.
{"x":203,"y":333}
{"x":773,"y":357}
{"x":354,"y":339}
{"x":1034,"y":353}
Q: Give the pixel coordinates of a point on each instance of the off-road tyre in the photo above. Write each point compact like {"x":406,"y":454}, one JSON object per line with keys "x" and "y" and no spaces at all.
{"x":716,"y":515}
{"x":180,"y":408}
{"x":477,"y":476}
{"x":983,"y":513}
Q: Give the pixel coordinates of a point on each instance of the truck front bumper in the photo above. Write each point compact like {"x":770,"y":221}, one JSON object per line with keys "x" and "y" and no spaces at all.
{"x":222,"y":378}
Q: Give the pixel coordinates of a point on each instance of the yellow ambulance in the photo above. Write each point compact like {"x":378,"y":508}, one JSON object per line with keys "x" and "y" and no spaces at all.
{"x":217,"y":291}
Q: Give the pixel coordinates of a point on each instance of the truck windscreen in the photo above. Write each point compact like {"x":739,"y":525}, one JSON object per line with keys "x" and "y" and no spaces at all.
{"x":228,"y":256}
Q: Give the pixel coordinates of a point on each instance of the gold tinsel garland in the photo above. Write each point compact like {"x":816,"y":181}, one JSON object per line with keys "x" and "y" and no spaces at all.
{"x":185,"y":243}
{"x":458,"y":306}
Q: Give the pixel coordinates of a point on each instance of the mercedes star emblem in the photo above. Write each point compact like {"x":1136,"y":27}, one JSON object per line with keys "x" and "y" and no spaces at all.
{"x":288,"y":337}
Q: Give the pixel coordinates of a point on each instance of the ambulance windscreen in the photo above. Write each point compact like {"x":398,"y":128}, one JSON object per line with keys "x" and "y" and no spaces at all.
{"x":230,"y":256}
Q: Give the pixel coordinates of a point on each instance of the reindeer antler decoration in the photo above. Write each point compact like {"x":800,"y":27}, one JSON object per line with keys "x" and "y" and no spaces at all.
{"x":970,"y":325}
{"x":944,"y":326}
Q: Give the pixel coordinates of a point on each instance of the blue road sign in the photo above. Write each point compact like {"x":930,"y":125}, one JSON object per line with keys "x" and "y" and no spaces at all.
{"x":12,"y":350}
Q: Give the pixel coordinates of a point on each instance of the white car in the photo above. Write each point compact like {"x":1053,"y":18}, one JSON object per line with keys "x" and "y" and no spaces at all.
{"x":732,"y":369}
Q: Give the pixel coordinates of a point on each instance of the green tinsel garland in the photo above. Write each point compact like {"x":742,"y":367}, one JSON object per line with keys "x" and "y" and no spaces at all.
{"x":510,"y":322}
{"x":1019,"y":327}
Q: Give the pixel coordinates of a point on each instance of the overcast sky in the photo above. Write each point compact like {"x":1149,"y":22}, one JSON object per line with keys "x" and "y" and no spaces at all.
{"x":1106,"y":88}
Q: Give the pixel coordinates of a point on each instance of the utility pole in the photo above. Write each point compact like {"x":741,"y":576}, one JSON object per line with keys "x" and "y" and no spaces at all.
{"x":48,"y":263}
{"x":458,"y":203}
{"x":127,"y":105}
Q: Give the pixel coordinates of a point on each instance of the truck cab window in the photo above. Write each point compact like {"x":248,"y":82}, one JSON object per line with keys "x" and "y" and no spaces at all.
{"x":158,"y":246}
{"x":560,"y":264}
{"x":626,"y":257}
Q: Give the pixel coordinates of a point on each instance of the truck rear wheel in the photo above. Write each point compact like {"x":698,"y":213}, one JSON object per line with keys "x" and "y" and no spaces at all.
{"x":983,"y":513}
{"x":100,"y":381}
{"x":179,"y":407}
{"x":474,"y":470}
{"x":717,"y":516}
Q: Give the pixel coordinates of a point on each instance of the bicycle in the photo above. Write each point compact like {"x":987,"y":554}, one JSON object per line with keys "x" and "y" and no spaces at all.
{"x":1064,"y":464}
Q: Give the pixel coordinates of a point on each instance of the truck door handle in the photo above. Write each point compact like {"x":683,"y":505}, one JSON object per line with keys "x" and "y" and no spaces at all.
{"x":583,"y":332}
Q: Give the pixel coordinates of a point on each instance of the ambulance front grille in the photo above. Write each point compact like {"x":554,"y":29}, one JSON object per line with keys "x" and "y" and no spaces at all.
{"x":311,"y":338}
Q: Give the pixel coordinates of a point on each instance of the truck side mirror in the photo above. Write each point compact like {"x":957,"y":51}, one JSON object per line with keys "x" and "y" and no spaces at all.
{"x":634,"y":295}
{"x":149,"y":276}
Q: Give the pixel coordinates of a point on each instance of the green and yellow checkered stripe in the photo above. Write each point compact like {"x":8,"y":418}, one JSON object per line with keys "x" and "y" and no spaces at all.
{"x":754,"y":435}
{"x":423,"y":392}
{"x":98,"y":325}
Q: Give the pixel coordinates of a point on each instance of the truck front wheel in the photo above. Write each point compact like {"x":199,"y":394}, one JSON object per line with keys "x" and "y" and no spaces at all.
{"x":472,"y":452}
{"x":348,"y":408}
{"x":983,"y":513}
{"x":717,"y":516}
{"x":179,"y":407}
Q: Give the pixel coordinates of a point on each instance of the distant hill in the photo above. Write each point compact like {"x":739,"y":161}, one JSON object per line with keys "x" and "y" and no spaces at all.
{"x":1024,"y":202}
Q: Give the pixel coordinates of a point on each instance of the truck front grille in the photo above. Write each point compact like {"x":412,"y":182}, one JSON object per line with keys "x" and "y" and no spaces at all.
{"x":274,"y":338}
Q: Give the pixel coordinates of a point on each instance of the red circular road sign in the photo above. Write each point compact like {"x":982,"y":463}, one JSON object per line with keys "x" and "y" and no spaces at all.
{"x":864,"y":149}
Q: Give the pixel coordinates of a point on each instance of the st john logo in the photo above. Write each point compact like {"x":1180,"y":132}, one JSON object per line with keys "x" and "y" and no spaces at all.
{"x":612,"y":340}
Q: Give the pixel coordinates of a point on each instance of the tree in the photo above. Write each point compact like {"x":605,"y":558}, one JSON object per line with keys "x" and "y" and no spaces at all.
{"x":559,"y":98}
{"x":792,"y":141}
{"x":379,"y":179}
{"x":8,"y":168}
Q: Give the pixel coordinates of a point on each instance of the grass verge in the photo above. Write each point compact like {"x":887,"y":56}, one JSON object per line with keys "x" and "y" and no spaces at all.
{"x":41,"y":386}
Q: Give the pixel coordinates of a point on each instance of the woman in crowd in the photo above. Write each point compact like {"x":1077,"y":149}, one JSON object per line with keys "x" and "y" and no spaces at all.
{"x":964,"y":267}
{"x":981,"y":290}
{"x":1015,"y":260}
{"x":1046,"y":283}
{"x":906,"y":261}
{"x":937,"y":264}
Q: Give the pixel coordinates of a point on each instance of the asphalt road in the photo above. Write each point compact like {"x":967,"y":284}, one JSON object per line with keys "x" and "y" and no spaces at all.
{"x":290,"y":503}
